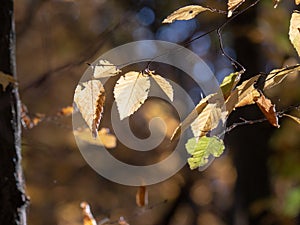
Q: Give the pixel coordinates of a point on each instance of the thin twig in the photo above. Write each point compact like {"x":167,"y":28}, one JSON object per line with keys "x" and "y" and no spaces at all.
{"x":234,"y":62}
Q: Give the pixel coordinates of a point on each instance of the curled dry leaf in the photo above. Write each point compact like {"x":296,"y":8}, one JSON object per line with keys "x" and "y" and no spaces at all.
{"x":104,"y":68}
{"x":244,"y":94}
{"x":276,"y":76}
{"x":232,"y":5}
{"x":210,"y":99}
{"x":89,"y":98}
{"x":104,"y":138}
{"x":208,"y":119}
{"x":164,"y":85}
{"x":88,"y":218}
{"x":186,"y":13}
{"x":268,"y":109}
{"x":141,"y":196}
{"x":6,"y":79}
{"x":131,"y":91}
{"x":294,"y":32}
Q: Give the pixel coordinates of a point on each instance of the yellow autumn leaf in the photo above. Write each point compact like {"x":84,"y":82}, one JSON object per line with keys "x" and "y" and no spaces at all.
{"x":232,"y":5}
{"x":104,"y":138}
{"x":294,"y":32}
{"x":131,"y":91}
{"x":104,"y":68}
{"x":164,"y":85}
{"x":297,"y":2}
{"x":186,"y":13}
{"x":268,"y":109}
{"x":5,"y":80}
{"x":89,"y":98}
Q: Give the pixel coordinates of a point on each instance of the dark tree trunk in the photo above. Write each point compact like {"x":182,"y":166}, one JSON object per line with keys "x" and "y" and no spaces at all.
{"x":250,"y":142}
{"x":12,"y":197}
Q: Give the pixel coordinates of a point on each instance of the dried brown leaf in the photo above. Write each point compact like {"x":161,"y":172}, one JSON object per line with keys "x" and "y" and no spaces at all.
{"x":186,"y":13}
{"x":89,"y":98}
{"x":268,"y":109}
{"x":141,"y":196}
{"x":208,"y":119}
{"x":232,"y":5}
{"x":242,"y":95}
{"x":276,"y":76}
{"x":212,"y":98}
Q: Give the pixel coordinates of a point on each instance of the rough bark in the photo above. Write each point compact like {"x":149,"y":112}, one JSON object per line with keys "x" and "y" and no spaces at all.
{"x":12,"y":197}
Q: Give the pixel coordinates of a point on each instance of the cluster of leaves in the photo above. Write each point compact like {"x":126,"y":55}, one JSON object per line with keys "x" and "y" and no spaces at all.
{"x":132,"y":88}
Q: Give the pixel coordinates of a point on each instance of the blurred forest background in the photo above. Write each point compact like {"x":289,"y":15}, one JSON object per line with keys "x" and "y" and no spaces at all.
{"x":256,"y":181}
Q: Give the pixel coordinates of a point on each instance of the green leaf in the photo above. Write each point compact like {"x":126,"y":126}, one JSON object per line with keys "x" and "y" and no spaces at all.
{"x":201,"y":150}
{"x":229,"y":83}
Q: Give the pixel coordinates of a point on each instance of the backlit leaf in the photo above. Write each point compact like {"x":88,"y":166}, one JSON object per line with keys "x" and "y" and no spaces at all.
{"x":104,"y":138}
{"x":268,"y":109}
{"x":192,"y":116}
{"x":207,"y":120}
{"x":276,"y":76}
{"x":200,"y":150}
{"x":232,"y":5}
{"x":88,"y":218}
{"x":5,"y":80}
{"x":296,"y":119}
{"x":89,"y":98}
{"x":141,"y":196}
{"x":244,"y":94}
{"x":130,"y":92}
{"x":297,"y":2}
{"x":164,"y":85}
{"x":105,"y":69}
{"x":294,"y":32}
{"x":229,"y":83}
{"x":186,"y":13}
